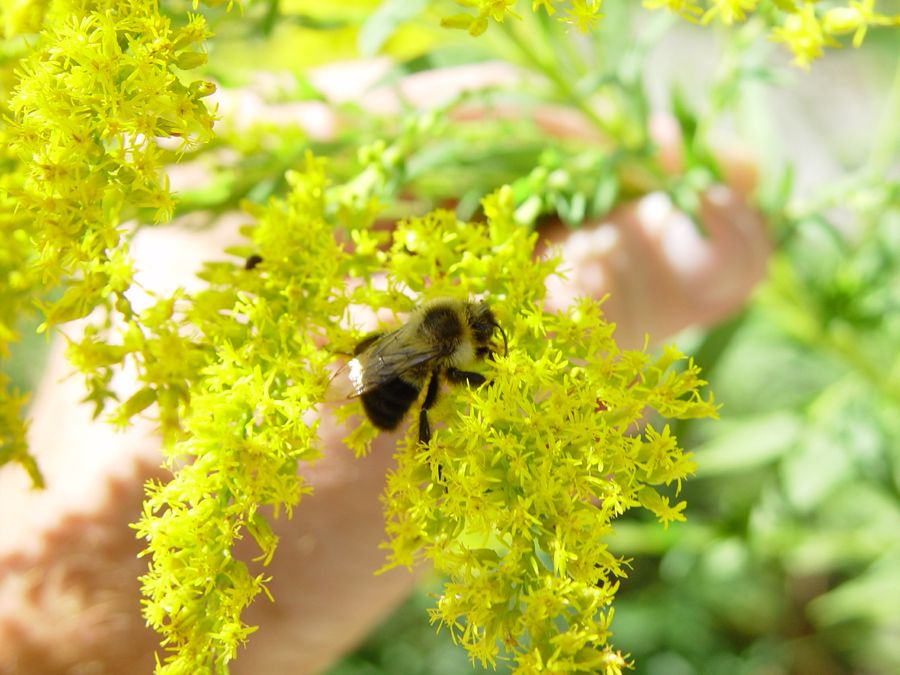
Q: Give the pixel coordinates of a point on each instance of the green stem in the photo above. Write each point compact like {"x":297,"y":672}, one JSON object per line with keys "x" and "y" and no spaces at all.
{"x":562,"y":86}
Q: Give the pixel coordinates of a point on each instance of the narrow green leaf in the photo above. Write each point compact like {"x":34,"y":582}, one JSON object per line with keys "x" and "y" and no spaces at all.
{"x":384,"y":21}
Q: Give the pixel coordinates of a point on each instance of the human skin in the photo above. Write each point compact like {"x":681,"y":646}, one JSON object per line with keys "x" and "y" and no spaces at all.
{"x":69,"y":595}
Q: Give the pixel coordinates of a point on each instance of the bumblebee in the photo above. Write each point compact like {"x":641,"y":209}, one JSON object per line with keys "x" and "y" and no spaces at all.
{"x":439,"y":340}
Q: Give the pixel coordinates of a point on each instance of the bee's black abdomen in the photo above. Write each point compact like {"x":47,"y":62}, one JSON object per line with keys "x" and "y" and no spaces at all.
{"x":388,"y":404}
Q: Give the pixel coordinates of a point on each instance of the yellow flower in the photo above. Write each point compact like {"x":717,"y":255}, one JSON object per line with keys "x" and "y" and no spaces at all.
{"x":684,"y":8}
{"x":584,"y":14}
{"x":729,"y":11}
{"x":856,"y":17}
{"x":547,"y":5}
{"x":802,"y":33}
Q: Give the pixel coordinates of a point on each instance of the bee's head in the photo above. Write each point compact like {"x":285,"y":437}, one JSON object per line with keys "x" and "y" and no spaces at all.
{"x":483,"y":324}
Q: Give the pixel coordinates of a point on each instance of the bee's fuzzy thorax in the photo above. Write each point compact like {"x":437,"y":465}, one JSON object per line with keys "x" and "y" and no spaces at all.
{"x":463,"y":355}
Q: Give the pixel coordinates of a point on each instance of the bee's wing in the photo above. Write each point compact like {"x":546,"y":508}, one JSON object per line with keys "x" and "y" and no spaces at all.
{"x":386,"y":359}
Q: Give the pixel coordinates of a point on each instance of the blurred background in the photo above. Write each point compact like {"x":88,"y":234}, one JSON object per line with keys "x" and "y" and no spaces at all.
{"x":789,"y":562}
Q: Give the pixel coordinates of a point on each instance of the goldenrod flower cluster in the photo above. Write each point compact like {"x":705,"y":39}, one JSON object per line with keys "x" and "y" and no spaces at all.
{"x":515,"y":497}
{"x":248,"y":426}
{"x":87,"y":107}
{"x":91,"y":105}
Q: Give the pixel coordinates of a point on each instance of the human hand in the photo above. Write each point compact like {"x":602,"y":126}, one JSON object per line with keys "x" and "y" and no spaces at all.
{"x":69,"y":596}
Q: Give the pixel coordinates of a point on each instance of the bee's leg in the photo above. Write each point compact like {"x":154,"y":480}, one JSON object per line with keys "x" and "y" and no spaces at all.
{"x":430,"y":399}
{"x":465,"y":377}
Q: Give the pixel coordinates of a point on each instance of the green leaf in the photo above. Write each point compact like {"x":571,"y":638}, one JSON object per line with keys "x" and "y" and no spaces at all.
{"x":873,"y":596}
{"x":137,"y":402}
{"x":747,"y":443}
{"x":384,"y":21}
{"x":604,"y":195}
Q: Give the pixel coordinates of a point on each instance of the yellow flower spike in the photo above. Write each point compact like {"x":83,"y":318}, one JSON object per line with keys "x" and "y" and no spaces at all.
{"x":525,"y":462}
{"x":584,"y":14}
{"x":802,"y":33}
{"x":797,"y":23}
{"x":87,"y":155}
{"x":855,"y":18}
{"x":729,"y":11}
{"x":687,"y":9}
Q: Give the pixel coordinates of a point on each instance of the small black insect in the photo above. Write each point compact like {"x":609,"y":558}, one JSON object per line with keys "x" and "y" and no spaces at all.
{"x":390,"y":370}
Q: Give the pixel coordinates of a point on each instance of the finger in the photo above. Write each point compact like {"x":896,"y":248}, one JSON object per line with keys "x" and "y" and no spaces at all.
{"x":661,"y":272}
{"x":735,"y":160}
{"x":739,"y":169}
{"x":327,"y":596}
{"x":69,"y":566}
